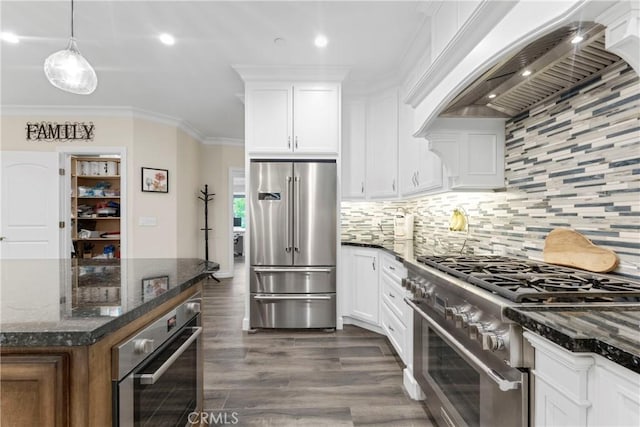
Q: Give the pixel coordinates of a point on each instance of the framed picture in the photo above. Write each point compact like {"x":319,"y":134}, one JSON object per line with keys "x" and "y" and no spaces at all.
{"x":155,"y":180}
{"x":153,"y":287}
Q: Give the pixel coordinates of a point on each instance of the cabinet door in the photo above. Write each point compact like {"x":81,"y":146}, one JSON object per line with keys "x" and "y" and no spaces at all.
{"x":353,"y":149}
{"x":268,"y":118}
{"x":481,"y":160}
{"x":35,"y":390}
{"x":429,"y":173}
{"x":382,"y":146}
{"x":365,"y":284}
{"x":408,"y":151}
{"x":316,"y":118}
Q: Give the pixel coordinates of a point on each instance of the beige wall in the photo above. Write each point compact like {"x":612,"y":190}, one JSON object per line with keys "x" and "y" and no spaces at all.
{"x":187,"y":186}
{"x":155,"y":146}
{"x":147,"y":144}
{"x":215,"y":161}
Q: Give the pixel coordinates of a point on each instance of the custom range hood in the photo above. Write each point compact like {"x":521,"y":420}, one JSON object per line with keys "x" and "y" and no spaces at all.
{"x":556,"y":62}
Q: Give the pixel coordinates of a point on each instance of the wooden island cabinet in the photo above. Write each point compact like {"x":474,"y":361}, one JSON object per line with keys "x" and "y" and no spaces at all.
{"x":60,"y":373}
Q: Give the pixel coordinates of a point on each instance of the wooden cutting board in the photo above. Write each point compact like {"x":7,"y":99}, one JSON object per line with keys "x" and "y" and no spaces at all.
{"x":567,"y":247}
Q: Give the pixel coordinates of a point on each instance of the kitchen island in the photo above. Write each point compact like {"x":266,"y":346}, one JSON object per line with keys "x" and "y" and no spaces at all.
{"x":59,"y":320}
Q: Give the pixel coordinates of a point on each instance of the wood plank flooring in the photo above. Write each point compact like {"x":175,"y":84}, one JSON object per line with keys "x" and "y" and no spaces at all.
{"x":298,"y":378}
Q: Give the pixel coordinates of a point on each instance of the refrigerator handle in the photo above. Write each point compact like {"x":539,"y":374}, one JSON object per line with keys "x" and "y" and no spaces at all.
{"x":296,"y":184}
{"x":288,"y":216}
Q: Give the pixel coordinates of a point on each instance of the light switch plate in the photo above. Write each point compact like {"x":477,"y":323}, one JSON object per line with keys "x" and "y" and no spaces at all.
{"x":147,"y":221}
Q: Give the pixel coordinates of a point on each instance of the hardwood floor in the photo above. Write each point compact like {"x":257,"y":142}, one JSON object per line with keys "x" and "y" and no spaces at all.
{"x":298,"y":378}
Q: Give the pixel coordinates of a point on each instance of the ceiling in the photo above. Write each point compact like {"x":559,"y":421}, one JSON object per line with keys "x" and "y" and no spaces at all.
{"x":193,"y":80}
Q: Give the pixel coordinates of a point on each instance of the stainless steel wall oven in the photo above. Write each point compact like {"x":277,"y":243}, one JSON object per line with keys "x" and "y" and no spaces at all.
{"x":472,"y":361}
{"x":159,"y":381}
{"x":461,"y":389}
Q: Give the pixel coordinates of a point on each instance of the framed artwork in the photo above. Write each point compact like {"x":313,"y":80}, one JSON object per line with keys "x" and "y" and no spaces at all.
{"x":155,"y":180}
{"x":153,"y":287}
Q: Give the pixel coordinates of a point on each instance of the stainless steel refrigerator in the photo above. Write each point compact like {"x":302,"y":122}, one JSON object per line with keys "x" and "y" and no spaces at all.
{"x":293,"y":244}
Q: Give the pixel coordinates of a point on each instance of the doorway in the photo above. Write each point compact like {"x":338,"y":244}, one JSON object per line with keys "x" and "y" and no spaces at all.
{"x":95,"y":179}
{"x":238,"y":217}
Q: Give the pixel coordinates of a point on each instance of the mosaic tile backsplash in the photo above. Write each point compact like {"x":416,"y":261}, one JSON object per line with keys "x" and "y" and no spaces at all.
{"x":573,"y":161}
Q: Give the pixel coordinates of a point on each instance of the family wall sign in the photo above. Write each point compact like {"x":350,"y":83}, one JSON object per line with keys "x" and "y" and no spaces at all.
{"x":60,"y":132}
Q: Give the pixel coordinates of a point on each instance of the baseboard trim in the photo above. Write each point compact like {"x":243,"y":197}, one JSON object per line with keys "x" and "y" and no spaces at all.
{"x":411,"y":385}
{"x":364,"y":325}
{"x":223,"y":274}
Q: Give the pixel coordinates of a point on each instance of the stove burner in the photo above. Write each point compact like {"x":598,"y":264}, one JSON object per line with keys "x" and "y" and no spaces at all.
{"x":525,"y":280}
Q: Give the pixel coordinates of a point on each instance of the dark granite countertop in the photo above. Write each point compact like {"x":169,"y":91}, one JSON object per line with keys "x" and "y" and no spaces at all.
{"x":610,"y":331}
{"x":77,"y":302}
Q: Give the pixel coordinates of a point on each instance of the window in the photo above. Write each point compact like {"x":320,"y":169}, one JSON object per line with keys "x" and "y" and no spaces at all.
{"x":238,"y":210}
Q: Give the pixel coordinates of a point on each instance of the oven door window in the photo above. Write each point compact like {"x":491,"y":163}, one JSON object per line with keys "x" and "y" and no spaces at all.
{"x":454,"y":377}
{"x":173,"y":396}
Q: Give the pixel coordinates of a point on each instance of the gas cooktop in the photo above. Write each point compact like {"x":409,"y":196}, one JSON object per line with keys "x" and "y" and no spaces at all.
{"x":530,"y":281}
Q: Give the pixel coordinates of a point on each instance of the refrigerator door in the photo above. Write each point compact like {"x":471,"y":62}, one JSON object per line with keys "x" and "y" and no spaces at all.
{"x":271,"y":204}
{"x":314,"y":227}
{"x":292,"y":280}
{"x":293,"y":310}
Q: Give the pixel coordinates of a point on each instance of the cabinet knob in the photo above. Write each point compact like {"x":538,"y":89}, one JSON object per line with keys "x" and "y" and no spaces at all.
{"x":362,"y":186}
{"x":288,"y":142}
{"x":193,"y":308}
{"x":296,"y":141}
{"x":393,"y":185}
{"x":143,"y":346}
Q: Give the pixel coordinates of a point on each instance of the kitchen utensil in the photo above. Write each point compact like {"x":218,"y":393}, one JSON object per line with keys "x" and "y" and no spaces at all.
{"x":567,"y":247}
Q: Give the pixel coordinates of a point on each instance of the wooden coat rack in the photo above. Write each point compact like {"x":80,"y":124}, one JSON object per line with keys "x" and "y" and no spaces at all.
{"x":206,"y":198}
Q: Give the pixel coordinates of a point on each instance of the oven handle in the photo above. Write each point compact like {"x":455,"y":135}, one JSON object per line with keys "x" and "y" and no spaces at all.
{"x":503,"y":384}
{"x":152,"y":378}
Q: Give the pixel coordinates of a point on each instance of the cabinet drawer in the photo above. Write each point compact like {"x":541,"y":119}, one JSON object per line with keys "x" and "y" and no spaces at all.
{"x":392,"y":267}
{"x":396,"y":332}
{"x":393,"y":294}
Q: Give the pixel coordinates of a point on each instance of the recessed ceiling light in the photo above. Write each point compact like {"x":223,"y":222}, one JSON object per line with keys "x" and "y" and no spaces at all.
{"x":167,"y":39}
{"x":492,"y":95}
{"x":321,"y":40}
{"x":526,"y":73}
{"x":577,"y":39}
{"x":9,"y":37}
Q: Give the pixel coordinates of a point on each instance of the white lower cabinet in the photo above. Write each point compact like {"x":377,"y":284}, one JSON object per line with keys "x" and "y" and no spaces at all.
{"x":372,"y":297}
{"x":362,"y":284}
{"x":581,"y":389}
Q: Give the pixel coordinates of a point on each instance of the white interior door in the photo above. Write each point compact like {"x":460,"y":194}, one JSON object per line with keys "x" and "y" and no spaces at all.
{"x":30,"y":205}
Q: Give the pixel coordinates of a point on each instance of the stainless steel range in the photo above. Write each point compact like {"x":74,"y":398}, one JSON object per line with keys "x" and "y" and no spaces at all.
{"x":470,"y":360}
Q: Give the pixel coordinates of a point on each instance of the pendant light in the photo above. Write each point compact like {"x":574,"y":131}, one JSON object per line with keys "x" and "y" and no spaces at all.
{"x":68,"y":70}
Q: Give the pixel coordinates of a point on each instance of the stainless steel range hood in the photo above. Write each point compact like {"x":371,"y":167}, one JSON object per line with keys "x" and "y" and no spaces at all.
{"x":556,"y":65}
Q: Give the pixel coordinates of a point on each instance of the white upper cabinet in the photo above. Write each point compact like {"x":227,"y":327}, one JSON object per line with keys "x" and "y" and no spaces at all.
{"x":316,"y":118}
{"x":472,"y":151}
{"x":420,"y":169}
{"x":354,"y":122}
{"x":269,"y":114}
{"x":292,"y":118}
{"x":382,"y":145}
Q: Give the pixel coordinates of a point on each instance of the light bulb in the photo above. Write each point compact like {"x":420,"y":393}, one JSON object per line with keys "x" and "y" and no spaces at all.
{"x":68,"y":70}
{"x":321,"y":41}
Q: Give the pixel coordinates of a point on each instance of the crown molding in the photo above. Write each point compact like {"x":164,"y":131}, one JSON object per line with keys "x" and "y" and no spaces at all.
{"x":103,"y":111}
{"x":291,"y":73}
{"x":235,"y":142}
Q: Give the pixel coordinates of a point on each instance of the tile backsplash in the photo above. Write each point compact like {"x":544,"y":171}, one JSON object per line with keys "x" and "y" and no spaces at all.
{"x":573,"y":161}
